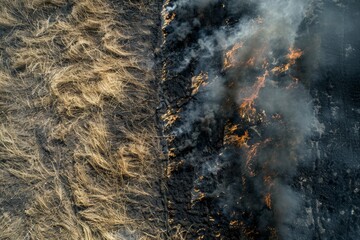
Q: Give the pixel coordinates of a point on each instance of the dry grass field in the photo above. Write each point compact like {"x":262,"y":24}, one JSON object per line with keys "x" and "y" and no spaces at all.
{"x":78,"y":141}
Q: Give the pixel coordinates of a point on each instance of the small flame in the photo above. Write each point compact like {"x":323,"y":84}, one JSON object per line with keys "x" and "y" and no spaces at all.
{"x":231,"y":138}
{"x":234,"y":57}
{"x":232,"y":128}
{"x":250,"y":62}
{"x":292,"y":56}
{"x":247,"y":109}
{"x":268,"y":180}
{"x":268,"y":200}
{"x":234,"y":223}
{"x":230,"y":59}
{"x":251,"y":154}
{"x":260,"y":83}
{"x":239,"y":141}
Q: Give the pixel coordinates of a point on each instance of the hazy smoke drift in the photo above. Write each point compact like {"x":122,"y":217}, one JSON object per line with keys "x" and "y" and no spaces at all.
{"x":256,"y":39}
{"x":282,"y":142}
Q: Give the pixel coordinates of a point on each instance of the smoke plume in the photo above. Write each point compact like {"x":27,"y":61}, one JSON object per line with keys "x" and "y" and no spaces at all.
{"x":254,"y":92}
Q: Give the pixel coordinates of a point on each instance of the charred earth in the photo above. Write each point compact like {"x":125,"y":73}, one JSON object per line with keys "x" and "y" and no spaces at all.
{"x":260,"y":109}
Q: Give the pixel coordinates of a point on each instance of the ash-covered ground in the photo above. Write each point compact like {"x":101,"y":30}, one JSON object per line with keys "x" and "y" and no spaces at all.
{"x":260,"y":109}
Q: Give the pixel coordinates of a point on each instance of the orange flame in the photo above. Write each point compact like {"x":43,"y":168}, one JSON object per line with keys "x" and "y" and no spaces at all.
{"x":230,"y":59}
{"x":247,"y":108}
{"x":232,"y":138}
{"x":268,"y":180}
{"x":260,"y":83}
{"x":268,"y":200}
{"x":234,"y":58}
{"x":292,"y":56}
{"x":239,"y":141}
{"x":250,"y":156}
{"x":250,"y":62}
{"x":252,"y":152}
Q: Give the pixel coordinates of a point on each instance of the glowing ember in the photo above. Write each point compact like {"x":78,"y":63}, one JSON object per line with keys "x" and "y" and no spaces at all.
{"x":250,"y":62}
{"x":268,"y":200}
{"x":234,"y":223}
{"x":250,"y":156}
{"x":268,"y":180}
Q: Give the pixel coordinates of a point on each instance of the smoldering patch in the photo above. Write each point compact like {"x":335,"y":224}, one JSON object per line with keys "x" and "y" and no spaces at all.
{"x":261,"y":119}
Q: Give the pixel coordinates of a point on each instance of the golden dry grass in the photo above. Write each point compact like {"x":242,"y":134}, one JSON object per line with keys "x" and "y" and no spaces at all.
{"x":178,"y":233}
{"x":77,"y":129}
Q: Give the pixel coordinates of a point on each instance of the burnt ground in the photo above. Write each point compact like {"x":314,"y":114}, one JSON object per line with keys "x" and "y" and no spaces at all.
{"x":331,"y":184}
{"x":197,"y":218}
{"x":329,"y":181}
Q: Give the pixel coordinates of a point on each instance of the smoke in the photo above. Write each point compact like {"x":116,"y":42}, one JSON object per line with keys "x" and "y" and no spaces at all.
{"x":286,"y":208}
{"x":253,"y":83}
{"x":181,"y":4}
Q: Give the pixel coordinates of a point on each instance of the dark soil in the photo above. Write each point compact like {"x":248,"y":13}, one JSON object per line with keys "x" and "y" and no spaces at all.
{"x":329,"y":183}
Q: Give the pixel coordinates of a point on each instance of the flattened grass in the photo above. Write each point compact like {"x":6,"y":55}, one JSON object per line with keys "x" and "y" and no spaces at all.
{"x":77,"y":134}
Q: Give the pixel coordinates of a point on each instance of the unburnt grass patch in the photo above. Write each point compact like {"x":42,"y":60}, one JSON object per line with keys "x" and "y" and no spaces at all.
{"x":78,"y":141}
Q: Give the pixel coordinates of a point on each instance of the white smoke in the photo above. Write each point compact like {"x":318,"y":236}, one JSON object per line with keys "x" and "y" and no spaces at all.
{"x":267,"y":29}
